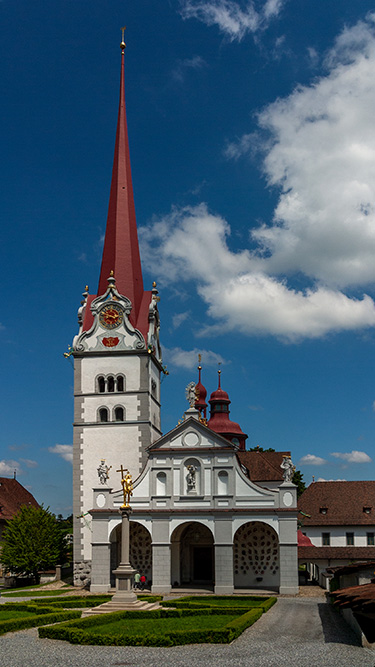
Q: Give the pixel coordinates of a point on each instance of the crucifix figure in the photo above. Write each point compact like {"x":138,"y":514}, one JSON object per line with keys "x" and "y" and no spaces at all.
{"x":127,"y":485}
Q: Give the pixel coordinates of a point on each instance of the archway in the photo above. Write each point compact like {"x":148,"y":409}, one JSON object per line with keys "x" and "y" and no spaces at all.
{"x":256,"y":556}
{"x":192,"y":558}
{"x":140,"y":550}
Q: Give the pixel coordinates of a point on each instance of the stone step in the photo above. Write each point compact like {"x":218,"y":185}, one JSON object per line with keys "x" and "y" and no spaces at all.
{"x":109,"y":607}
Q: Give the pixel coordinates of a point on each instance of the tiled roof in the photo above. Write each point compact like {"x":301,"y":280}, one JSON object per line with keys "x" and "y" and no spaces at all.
{"x":263,"y":466}
{"x":12,"y":496}
{"x":338,"y":503}
{"x":352,"y":567}
{"x":336,"y":553}
{"x":303,"y":540}
{"x":359,"y":598}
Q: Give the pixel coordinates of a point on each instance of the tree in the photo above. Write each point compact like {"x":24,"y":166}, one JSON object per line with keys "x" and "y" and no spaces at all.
{"x":298,"y":481}
{"x":260,"y":449}
{"x":32,"y":541}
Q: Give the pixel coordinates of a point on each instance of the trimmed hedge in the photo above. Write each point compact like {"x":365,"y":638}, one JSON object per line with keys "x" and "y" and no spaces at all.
{"x":260,"y":603}
{"x":15,"y":624}
{"x":74,"y":601}
{"x":150,"y":598}
{"x":31,"y":593}
{"x":79,"y":631}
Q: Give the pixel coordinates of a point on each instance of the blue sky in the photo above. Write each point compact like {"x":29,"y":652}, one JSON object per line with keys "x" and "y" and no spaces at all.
{"x":252,"y":135}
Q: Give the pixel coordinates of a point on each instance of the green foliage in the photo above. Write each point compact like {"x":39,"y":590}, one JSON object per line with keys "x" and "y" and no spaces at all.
{"x":150,"y":598}
{"x":260,"y":449}
{"x":297,"y":479}
{"x":221,"y":601}
{"x":106,"y":631}
{"x":33,"y":620}
{"x":33,"y":594}
{"x":32,"y":541}
{"x":75,"y":601}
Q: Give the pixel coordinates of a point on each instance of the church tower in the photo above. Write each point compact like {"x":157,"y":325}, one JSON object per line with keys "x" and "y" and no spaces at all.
{"x":117,"y":356}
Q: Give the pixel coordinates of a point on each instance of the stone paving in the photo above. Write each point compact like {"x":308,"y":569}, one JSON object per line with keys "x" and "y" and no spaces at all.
{"x":299,"y":631}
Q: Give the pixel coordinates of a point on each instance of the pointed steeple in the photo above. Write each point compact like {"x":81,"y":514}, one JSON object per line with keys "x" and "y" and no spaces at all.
{"x":121,"y":249}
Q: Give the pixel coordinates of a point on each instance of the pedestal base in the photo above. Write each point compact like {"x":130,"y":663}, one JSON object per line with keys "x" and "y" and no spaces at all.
{"x":124,"y":589}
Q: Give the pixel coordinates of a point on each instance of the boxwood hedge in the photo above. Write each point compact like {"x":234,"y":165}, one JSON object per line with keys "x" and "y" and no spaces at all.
{"x":78,"y":632}
{"x":39,"y":618}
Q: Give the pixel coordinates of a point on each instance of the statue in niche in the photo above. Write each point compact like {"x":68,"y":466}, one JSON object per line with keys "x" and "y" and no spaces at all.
{"x":288,"y":468}
{"x":103,"y":472}
{"x":191,"y":479}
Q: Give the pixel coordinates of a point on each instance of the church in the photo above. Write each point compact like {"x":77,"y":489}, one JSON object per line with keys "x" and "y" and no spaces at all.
{"x":205,"y":511}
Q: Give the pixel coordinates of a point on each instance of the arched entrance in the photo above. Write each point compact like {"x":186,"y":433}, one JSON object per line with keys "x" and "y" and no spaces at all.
{"x":140,"y":550}
{"x":192,"y":558}
{"x":256,"y":556}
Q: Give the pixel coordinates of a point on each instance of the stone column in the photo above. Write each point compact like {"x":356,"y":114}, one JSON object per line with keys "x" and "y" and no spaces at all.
{"x":124,"y":573}
{"x":288,"y":550}
{"x":161,"y":557}
{"x":224,"y":580}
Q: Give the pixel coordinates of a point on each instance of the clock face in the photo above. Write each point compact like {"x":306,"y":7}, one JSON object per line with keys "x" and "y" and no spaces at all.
{"x":111,"y":317}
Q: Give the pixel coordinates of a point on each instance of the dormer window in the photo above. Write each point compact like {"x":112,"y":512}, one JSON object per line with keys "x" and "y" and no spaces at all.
{"x":323,"y":510}
{"x":367,"y":509}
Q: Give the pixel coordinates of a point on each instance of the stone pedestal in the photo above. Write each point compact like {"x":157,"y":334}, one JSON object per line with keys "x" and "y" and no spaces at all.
{"x":124,"y":573}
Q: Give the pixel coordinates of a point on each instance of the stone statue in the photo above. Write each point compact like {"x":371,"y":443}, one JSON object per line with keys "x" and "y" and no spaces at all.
{"x":103,"y":472}
{"x":191,"y":478}
{"x":191,"y":394}
{"x":288,"y":468}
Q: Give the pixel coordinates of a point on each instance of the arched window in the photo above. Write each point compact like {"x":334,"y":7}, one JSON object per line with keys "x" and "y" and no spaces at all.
{"x":120,"y":383}
{"x":161,"y":484}
{"x":222,"y":483}
{"x":111,"y":383}
{"x":101,"y":384}
{"x":103,"y":415}
{"x":119,"y":414}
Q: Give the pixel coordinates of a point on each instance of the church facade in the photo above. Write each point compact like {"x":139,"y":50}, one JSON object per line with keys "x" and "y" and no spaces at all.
{"x":204,"y":511}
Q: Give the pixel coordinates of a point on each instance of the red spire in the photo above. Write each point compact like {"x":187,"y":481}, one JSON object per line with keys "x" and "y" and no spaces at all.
{"x":121,"y":250}
{"x":219,"y":419}
{"x":201,"y":392}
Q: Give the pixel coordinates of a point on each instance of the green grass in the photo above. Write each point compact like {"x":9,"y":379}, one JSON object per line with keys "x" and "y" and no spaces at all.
{"x":162,"y":626}
{"x":6,"y":614}
{"x":19,"y":594}
{"x":219,"y":601}
{"x":26,"y":588}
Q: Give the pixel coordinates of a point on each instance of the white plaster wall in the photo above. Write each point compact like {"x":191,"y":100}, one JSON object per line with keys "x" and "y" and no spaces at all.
{"x":244,"y":488}
{"x":338,"y":535}
{"x":117,"y":447}
{"x":93,"y":403}
{"x":126,"y":365}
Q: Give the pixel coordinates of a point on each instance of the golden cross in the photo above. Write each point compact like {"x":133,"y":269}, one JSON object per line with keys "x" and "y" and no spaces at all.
{"x":199,"y":358}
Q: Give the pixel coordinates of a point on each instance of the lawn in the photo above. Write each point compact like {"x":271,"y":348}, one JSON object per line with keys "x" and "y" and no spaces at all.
{"x":6,"y":614}
{"x":32,"y":593}
{"x":162,"y":626}
{"x":222,"y":600}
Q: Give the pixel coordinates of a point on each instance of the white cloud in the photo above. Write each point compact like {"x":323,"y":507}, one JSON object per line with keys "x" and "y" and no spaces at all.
{"x":7,"y":467}
{"x":237,"y":294}
{"x":229,"y":17}
{"x":322,"y":479}
{"x":29,"y":463}
{"x":320,"y":154}
{"x":195,"y":63}
{"x":65,"y":451}
{"x":179,"y":318}
{"x":353,"y":457}
{"x":312,"y":460}
{"x":189,"y":358}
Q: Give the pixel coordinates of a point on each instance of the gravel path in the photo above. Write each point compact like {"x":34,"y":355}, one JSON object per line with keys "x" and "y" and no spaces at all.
{"x":295,"y":632}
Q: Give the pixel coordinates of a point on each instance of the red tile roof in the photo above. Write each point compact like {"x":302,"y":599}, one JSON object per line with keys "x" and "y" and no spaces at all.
{"x":343,"y":502}
{"x":12,"y":496}
{"x":303,"y":540}
{"x":359,"y":598}
{"x":263,"y":466}
{"x":336,"y":553}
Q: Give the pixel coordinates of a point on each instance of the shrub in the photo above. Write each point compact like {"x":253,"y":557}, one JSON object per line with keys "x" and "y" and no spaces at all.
{"x":13,"y":625}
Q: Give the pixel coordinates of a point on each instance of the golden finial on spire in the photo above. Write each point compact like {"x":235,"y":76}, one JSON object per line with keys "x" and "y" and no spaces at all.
{"x":199,"y":362}
{"x":123,"y":45}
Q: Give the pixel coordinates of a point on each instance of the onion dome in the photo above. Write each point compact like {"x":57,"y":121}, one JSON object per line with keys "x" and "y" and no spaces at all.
{"x":201,"y":393}
{"x":219,"y":418}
